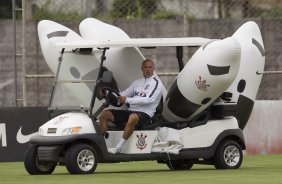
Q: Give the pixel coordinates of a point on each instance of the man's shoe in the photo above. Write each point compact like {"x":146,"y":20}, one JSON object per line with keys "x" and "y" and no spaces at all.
{"x":114,"y":150}
{"x":106,"y":135}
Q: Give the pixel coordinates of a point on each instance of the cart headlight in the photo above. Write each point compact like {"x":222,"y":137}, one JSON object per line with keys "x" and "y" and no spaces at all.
{"x":69,"y":131}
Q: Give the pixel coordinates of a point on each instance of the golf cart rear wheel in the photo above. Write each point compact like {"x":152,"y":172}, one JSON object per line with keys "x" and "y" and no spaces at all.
{"x":81,"y":159}
{"x":228,"y":155}
{"x":179,"y":165}
{"x":35,"y":167}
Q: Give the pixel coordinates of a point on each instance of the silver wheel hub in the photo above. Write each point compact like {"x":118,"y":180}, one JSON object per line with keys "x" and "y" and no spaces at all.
{"x":85,"y":160}
{"x":231,"y":155}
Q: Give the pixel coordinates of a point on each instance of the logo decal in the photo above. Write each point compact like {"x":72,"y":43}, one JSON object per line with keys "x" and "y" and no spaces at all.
{"x":141,"y":94}
{"x":141,"y":142}
{"x":24,"y":138}
{"x":202,"y":84}
{"x":147,"y":87}
{"x":60,"y":119}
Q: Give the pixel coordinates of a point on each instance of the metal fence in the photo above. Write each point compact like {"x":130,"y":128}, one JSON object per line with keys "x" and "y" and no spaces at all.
{"x":152,"y":9}
{"x":139,"y":18}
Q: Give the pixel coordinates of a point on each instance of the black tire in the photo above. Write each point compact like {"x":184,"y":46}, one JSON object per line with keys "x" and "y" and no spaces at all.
{"x":179,"y":165}
{"x":35,"y":167}
{"x":81,"y":159}
{"x":228,"y":155}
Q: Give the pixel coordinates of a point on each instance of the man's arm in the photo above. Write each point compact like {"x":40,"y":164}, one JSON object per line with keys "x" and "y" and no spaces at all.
{"x":151,"y":96}
{"x":128,"y":92}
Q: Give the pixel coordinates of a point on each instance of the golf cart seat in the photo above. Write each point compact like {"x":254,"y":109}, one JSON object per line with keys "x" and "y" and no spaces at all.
{"x":215,"y":111}
{"x":148,"y":125}
{"x":151,"y":124}
{"x":200,"y":119}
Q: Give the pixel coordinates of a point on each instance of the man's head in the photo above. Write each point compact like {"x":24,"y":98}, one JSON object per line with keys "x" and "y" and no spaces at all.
{"x":148,"y":68}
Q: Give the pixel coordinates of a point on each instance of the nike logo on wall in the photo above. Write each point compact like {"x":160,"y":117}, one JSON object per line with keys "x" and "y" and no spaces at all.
{"x":24,"y":138}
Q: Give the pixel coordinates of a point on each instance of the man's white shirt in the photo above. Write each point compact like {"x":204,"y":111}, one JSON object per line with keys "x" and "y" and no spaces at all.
{"x":144,"y":95}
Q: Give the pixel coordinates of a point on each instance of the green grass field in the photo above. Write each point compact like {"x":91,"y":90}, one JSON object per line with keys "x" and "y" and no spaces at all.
{"x":263,"y":169}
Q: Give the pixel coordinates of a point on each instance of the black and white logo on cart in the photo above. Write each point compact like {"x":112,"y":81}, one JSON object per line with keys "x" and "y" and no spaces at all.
{"x":141,"y":142}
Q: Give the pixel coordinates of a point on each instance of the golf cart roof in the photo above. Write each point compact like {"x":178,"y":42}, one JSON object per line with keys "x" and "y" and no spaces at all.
{"x":136,"y":42}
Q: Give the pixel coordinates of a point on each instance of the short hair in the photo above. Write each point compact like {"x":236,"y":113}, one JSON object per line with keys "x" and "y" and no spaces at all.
{"x":148,"y":60}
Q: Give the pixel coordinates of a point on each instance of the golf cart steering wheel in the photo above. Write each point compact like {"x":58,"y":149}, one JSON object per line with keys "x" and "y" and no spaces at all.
{"x":111,"y":97}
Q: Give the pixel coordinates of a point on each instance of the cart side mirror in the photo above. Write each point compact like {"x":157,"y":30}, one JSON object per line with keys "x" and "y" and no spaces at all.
{"x":107,"y":77}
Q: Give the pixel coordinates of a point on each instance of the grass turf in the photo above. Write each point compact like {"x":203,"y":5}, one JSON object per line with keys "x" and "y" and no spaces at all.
{"x":257,"y":169}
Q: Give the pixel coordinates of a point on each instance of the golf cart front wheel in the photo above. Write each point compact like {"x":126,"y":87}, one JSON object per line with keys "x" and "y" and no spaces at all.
{"x":35,"y":167}
{"x":228,"y":155}
{"x":81,"y":159}
{"x":179,"y":165}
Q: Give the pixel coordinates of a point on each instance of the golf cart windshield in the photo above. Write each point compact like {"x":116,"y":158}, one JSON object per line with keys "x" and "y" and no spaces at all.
{"x":73,"y":87}
{"x":63,"y":98}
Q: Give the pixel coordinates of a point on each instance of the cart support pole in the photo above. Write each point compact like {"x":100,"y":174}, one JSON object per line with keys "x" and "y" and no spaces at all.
{"x":103,"y":58}
{"x":179,"y":55}
{"x":57,"y":75}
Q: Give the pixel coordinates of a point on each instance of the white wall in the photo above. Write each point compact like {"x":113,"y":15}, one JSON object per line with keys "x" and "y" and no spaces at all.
{"x":263,"y":133}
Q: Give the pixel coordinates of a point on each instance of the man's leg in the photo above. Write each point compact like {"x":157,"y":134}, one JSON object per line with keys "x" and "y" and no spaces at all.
{"x":128,"y":130}
{"x":130,"y":125}
{"x":104,"y":117}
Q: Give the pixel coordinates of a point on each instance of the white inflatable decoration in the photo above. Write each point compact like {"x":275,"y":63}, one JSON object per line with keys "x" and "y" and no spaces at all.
{"x":232,"y":65}
{"x":76,"y":66}
{"x":245,"y":87}
{"x":210,"y":71}
{"x":124,"y":62}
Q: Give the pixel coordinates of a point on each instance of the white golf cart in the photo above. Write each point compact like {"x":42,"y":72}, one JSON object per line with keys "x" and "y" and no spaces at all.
{"x":72,"y":137}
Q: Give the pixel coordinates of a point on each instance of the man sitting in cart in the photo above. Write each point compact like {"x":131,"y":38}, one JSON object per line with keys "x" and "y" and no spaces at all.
{"x":143,"y":96}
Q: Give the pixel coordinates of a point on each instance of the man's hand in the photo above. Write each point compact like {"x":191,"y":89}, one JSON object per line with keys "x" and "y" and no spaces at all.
{"x":102,"y":93}
{"x":122,"y":99}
